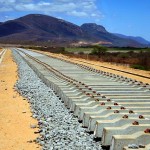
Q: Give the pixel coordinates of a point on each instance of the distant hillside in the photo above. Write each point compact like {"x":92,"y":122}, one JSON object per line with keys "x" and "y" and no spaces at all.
{"x":136,"y":38}
{"x":39,"y":28}
{"x":99,"y":33}
{"x":45,"y":29}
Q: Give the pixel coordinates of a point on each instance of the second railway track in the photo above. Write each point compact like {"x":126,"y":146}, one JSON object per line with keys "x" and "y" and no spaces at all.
{"x":114,"y":108}
{"x":2,"y":53}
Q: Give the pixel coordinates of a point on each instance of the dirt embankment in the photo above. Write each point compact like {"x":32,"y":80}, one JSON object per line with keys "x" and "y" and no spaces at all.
{"x":15,"y":115}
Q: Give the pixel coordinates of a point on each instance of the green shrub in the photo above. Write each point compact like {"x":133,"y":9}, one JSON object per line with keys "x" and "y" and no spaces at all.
{"x":98,"y":50}
{"x":136,"y":66}
{"x":123,"y":55}
{"x":81,"y":53}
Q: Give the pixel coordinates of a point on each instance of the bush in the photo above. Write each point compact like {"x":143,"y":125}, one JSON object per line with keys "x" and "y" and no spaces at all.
{"x":99,"y":50}
{"x":123,"y":55}
{"x":136,"y":66}
{"x":81,"y":53}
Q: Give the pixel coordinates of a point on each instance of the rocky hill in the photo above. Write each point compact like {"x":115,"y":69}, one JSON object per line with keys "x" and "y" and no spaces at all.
{"x":36,"y":28}
{"x":136,"y":38}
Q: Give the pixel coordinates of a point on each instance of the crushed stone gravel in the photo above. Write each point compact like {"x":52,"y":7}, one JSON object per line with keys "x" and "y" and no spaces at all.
{"x":58,"y":128}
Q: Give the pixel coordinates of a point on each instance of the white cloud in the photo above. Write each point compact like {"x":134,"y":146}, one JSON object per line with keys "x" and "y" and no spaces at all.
{"x":4,"y":9}
{"x":77,"y":13}
{"x":78,"y":8}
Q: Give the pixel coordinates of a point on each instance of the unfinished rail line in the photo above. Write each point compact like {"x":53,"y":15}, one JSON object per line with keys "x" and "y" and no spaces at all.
{"x":2,"y":53}
{"x":103,"y":67}
{"x":114,"y":108}
{"x":139,"y":75}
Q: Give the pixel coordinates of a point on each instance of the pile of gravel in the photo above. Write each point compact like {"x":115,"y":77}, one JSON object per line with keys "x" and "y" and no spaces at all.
{"x":59,"y":129}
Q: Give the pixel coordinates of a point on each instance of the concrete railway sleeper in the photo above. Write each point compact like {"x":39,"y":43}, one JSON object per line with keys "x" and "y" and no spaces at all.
{"x":114,"y":108}
{"x":107,"y":73}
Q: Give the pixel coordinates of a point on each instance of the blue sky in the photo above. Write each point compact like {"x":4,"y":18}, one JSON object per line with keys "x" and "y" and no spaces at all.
{"x":129,"y":17}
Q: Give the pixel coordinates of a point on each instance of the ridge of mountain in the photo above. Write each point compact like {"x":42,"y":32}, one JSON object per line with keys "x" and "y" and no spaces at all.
{"x":38,"y":28}
{"x":136,"y":38}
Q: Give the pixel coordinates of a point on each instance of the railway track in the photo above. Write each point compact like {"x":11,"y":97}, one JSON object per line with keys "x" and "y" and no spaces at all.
{"x":2,"y":53}
{"x":131,"y":73}
{"x":114,"y":108}
{"x":120,"y":72}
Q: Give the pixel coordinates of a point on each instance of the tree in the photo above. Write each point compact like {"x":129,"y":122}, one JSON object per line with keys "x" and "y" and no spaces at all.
{"x":98,"y":50}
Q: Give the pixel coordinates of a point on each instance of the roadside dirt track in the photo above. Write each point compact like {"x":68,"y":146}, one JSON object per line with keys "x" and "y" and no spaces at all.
{"x":15,"y":115}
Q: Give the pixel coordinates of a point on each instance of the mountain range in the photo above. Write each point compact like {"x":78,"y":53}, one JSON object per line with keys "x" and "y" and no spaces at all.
{"x":38,"y":29}
{"x":136,"y":38}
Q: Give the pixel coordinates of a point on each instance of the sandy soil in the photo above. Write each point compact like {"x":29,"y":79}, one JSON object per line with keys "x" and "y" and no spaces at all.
{"x":15,"y":115}
{"x":97,"y":65}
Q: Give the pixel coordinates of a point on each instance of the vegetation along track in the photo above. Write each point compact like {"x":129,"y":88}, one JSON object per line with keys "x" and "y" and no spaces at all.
{"x":114,"y":108}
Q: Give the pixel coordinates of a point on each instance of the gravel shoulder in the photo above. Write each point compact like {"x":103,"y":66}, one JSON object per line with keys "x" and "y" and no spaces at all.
{"x":15,"y":115}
